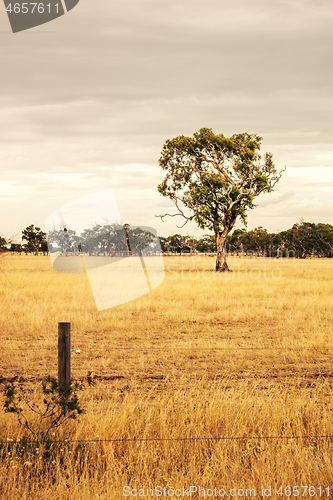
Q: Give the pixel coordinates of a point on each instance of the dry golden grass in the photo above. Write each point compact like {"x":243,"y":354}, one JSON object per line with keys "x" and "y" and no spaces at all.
{"x":246,"y":354}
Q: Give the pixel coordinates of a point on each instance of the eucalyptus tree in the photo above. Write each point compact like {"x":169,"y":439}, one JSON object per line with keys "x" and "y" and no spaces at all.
{"x":35,"y":238}
{"x":64,"y":239}
{"x":213,"y":180}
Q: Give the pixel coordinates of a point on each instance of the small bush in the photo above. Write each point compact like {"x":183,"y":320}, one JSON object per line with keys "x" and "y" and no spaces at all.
{"x":58,"y":404}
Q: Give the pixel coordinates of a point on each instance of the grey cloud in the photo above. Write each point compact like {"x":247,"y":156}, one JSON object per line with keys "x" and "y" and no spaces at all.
{"x":116,"y":79}
{"x":136,"y":49}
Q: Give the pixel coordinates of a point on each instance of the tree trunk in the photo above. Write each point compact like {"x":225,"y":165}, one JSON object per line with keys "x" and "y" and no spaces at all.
{"x":126,"y":227}
{"x":221,"y":256}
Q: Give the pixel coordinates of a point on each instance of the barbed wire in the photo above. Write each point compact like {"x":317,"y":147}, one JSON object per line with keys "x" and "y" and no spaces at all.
{"x":182,"y":439}
{"x":174,"y":348}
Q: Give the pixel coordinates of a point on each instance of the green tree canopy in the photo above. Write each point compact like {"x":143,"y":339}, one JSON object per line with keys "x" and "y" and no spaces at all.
{"x":35,"y":238}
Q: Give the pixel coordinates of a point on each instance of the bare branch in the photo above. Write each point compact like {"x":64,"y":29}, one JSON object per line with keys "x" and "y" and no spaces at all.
{"x":180,"y":213}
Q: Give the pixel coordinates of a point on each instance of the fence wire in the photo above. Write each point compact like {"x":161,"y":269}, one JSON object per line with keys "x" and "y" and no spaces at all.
{"x":182,"y":439}
{"x":176,"y":348}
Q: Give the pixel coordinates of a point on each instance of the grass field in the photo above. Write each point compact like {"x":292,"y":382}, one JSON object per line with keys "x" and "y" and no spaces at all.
{"x":246,"y":356}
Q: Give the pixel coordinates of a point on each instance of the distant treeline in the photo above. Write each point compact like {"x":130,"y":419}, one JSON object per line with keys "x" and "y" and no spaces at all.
{"x":101,"y":239}
{"x":304,"y":239}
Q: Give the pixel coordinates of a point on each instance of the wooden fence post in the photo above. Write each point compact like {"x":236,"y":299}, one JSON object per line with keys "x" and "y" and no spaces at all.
{"x":64,"y":352}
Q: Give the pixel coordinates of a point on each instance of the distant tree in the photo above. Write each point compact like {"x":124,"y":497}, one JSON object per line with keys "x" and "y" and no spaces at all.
{"x":256,"y":241}
{"x":308,"y":238}
{"x":3,"y":244}
{"x":16,"y":247}
{"x":235,"y":240}
{"x":217,"y":179}
{"x":278,"y":242}
{"x":64,"y":239}
{"x":324,"y":240}
{"x":190,"y":243}
{"x":176,"y":243}
{"x":103,"y":238}
{"x":206,"y":243}
{"x":35,"y":238}
{"x":88,"y":240}
{"x":164,"y":242}
{"x":139,"y":239}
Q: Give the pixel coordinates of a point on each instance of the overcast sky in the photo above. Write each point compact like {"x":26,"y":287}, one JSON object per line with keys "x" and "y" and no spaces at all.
{"x":88,"y":100}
